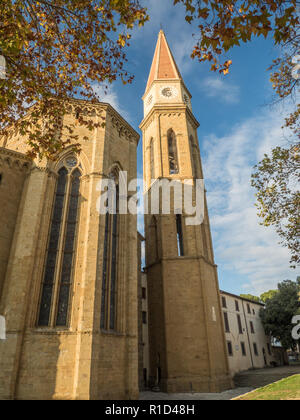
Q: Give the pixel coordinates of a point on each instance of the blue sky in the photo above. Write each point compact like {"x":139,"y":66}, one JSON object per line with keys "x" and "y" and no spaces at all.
{"x":237,"y":126}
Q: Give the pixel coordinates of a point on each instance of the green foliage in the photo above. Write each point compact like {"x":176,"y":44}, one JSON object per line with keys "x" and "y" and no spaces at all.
{"x":224,"y":24}
{"x":277,"y":180}
{"x":268,"y":295}
{"x":55,"y":50}
{"x":279,"y":311}
{"x":251,"y":297}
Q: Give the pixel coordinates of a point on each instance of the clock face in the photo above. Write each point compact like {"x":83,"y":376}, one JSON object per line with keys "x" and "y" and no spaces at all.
{"x":168,"y":92}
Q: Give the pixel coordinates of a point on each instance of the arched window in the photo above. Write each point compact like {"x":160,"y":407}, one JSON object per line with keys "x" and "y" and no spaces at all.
{"x":60,"y":256}
{"x":152,"y":169}
{"x":110,"y":264}
{"x":172,"y":152}
{"x":68,"y":251}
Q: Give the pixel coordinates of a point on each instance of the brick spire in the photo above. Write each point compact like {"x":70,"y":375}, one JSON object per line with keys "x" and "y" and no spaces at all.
{"x":163,"y":64}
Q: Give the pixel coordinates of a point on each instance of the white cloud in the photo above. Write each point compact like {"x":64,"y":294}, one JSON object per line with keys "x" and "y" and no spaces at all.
{"x":243,"y":247}
{"x":221,"y":89}
{"x":110,"y":96}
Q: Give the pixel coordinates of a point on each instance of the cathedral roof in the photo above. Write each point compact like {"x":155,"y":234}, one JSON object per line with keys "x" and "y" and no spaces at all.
{"x":163,"y":64}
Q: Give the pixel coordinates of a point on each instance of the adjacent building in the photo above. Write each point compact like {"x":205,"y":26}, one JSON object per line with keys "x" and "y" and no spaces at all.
{"x":248,"y":346}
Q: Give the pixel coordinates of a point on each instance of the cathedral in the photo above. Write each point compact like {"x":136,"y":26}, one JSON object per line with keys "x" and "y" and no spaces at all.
{"x":70,"y":277}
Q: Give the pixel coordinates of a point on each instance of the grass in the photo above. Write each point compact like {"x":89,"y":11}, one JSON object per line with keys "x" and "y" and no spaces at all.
{"x":285,"y":389}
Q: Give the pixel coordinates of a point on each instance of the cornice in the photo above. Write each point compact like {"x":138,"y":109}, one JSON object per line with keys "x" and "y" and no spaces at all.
{"x":122,"y":126}
{"x":14,"y":154}
{"x":166,"y":81}
{"x":171,"y":109}
{"x":15,"y":159}
{"x":117,"y":120}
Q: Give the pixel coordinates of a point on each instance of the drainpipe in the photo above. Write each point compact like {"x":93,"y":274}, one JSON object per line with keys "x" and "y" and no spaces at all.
{"x":248,"y":335}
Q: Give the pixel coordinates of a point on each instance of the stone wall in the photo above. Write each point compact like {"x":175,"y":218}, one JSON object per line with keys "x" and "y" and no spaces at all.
{"x":79,"y":361}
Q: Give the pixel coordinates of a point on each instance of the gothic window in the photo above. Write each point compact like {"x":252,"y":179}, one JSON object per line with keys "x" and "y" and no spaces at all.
{"x":152,"y":159}
{"x":68,"y":252}
{"x":172,"y":152}
{"x":179,"y":235}
{"x":110,"y":265}
{"x":57,"y":279}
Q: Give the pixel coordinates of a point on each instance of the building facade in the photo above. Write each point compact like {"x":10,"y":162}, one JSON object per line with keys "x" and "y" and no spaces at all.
{"x":248,"y":346}
{"x":68,"y":275}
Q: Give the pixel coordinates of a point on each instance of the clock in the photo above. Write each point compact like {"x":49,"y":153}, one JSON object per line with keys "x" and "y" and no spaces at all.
{"x":168,"y":92}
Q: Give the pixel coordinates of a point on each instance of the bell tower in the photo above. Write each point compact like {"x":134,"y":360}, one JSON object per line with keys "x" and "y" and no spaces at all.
{"x":186,"y":335}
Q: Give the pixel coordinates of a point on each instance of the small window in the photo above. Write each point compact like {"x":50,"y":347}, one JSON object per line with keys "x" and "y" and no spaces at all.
{"x":243,"y":347}
{"x":226,"y":322}
{"x":239,"y":324}
{"x":0,"y":179}
{"x":253,"y":311}
{"x":172,"y":148}
{"x":252,"y":327}
{"x":248,"y":308}
{"x":255,"y":349}
{"x":224,"y":305}
{"x":144,"y":317}
{"x":237,"y":308}
{"x":179,"y":236}
{"x":229,"y":347}
{"x":144,"y":293}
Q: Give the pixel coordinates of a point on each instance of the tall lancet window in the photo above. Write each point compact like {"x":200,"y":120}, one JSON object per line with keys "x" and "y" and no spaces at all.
{"x":180,"y":248}
{"x":110,"y":263}
{"x":172,"y":151}
{"x":152,"y":170}
{"x":60,"y":256}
